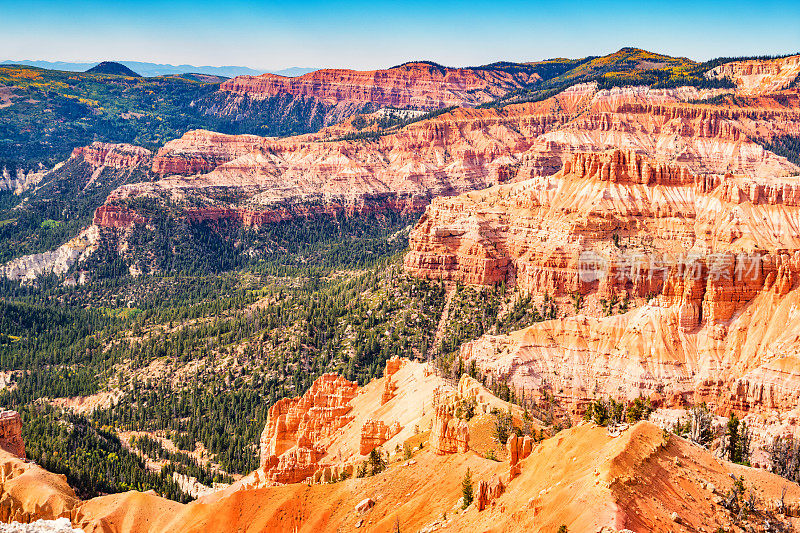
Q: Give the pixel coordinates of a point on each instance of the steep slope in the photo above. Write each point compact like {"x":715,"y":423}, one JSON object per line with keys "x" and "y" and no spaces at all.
{"x":586,"y":478}
{"x":719,"y":252}
{"x":62,"y":203}
{"x":625,"y":67}
{"x":759,"y":77}
{"x":325,"y":97}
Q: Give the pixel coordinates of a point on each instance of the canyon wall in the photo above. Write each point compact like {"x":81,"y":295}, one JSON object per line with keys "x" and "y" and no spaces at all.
{"x":466,"y":149}
{"x":118,"y":156}
{"x":302,"y":104}
{"x":11,"y":433}
{"x":714,"y":259}
{"x":412,"y":85}
{"x":540,"y":234}
{"x":759,"y":76}
{"x":290,"y":450}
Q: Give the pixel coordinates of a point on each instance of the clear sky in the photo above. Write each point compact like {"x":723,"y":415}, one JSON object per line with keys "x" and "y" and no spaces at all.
{"x":374,"y":34}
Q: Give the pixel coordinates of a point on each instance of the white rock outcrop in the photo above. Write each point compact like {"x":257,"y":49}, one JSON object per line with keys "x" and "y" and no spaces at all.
{"x":58,"y":261}
{"x":61,"y":525}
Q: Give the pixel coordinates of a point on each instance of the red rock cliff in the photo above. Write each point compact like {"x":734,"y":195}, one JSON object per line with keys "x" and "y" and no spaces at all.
{"x":468,"y":149}
{"x":289,"y":442}
{"x":759,"y":76}
{"x":413,"y":85}
{"x":11,"y":433}
{"x":118,"y":156}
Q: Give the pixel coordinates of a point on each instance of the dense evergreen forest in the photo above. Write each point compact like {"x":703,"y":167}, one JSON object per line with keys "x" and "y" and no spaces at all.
{"x":199,"y":356}
{"x":786,"y":145}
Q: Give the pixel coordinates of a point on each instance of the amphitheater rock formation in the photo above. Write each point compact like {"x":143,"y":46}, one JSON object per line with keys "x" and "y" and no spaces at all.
{"x":558,"y":234}
{"x":711,"y":260}
{"x":463,"y":150}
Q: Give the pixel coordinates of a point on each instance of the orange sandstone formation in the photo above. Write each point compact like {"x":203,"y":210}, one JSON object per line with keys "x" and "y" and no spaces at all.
{"x":582,"y":478}
{"x":11,"y":433}
{"x":449,"y":434}
{"x":412,"y":85}
{"x":392,"y":366}
{"x":533,"y":233}
{"x":111,"y":216}
{"x":715,"y":259}
{"x":758,"y":76}
{"x":518,"y":448}
{"x":463,"y":150}
{"x":289,"y":442}
{"x":374,"y":433}
{"x":117,"y":156}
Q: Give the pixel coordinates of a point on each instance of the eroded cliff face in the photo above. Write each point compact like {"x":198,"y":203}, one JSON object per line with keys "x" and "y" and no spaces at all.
{"x":290,"y":449}
{"x":201,"y":151}
{"x":759,"y":76}
{"x":635,"y":479}
{"x":77,"y":186}
{"x":59,"y":261}
{"x":533,"y":233}
{"x":413,"y":85}
{"x":11,"y":433}
{"x":19,"y":181}
{"x":715,"y":257}
{"x":466,"y":149}
{"x":119,"y":156}
{"x":323,"y":98}
{"x":330,"y":430}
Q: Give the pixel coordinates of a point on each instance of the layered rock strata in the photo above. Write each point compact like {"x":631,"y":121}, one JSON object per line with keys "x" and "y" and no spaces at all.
{"x":759,"y":76}
{"x":11,"y":433}
{"x":374,"y":433}
{"x":714,"y":257}
{"x":557,"y":234}
{"x":412,"y":85}
{"x":290,"y":450}
{"x":262,"y":180}
{"x":458,"y":151}
{"x":118,"y":156}
{"x":448,"y":433}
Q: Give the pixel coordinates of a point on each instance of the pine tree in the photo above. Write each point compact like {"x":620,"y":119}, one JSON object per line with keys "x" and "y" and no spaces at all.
{"x":466,"y":489}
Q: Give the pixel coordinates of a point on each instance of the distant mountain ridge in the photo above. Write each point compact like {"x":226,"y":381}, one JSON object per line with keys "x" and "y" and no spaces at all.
{"x":162,"y":69}
{"x":113,"y":68}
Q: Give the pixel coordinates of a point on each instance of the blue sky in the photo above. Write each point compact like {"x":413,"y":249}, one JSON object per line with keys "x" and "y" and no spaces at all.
{"x":359,"y":34}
